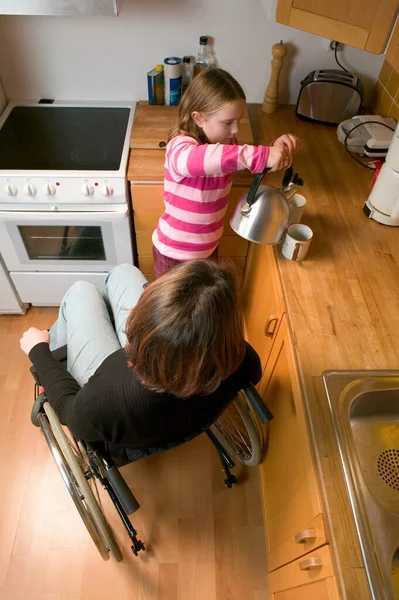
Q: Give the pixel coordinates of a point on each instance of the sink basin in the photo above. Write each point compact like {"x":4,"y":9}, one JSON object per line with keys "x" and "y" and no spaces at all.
{"x":364,"y":407}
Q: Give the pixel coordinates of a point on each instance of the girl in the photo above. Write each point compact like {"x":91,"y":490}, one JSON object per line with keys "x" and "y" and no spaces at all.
{"x":201,"y":156}
{"x":145,"y":367}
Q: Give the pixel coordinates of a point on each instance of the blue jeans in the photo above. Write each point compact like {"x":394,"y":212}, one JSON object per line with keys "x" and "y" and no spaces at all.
{"x":92,"y":324}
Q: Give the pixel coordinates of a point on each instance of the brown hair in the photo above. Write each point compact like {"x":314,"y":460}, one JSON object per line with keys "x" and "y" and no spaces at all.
{"x":209,"y":92}
{"x":185,"y":334}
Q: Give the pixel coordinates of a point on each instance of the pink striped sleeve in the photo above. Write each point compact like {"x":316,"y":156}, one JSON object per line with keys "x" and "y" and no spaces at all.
{"x":187,"y":158}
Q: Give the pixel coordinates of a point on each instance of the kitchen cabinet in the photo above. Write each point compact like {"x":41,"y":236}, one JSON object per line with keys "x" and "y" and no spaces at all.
{"x":148,"y":140}
{"x":292,"y":507}
{"x":293,"y":513}
{"x":262,"y":300}
{"x":359,"y":23}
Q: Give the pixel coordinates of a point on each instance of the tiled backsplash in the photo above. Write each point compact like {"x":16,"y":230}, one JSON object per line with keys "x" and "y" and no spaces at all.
{"x":385,"y":96}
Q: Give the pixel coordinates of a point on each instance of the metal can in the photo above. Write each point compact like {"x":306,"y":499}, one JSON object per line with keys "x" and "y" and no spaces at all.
{"x":172,"y":74}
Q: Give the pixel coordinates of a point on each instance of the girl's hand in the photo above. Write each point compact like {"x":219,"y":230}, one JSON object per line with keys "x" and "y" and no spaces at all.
{"x":279,"y":158}
{"x":32,"y":337}
{"x":288,"y":141}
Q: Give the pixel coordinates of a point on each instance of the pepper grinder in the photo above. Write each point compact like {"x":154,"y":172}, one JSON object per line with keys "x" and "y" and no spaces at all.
{"x":271,"y":94}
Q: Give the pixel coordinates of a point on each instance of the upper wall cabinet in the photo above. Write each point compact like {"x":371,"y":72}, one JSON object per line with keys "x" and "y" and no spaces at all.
{"x":365,"y":24}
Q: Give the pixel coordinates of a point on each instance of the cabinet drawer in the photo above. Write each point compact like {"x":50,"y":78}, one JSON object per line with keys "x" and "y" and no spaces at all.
{"x":307,"y":539}
{"x":147,"y":197}
{"x":313,"y":567}
{"x":324,"y":589}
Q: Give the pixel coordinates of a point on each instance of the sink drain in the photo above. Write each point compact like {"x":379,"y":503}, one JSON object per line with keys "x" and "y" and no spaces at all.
{"x":388,"y":467}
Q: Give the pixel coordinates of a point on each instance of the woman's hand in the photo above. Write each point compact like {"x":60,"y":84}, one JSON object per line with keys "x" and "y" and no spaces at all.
{"x":279,"y":158}
{"x":32,"y":337}
{"x":287,"y":141}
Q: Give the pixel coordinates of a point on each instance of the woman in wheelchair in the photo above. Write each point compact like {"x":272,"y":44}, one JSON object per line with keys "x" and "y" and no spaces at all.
{"x":146,"y":365}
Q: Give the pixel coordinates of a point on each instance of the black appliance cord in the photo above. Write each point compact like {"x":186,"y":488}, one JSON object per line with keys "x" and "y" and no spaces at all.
{"x":353,"y":129}
{"x":336,"y":58}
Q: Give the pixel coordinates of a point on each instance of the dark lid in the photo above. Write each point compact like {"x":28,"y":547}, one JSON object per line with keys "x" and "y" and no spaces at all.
{"x":186,"y":59}
{"x":203,"y":40}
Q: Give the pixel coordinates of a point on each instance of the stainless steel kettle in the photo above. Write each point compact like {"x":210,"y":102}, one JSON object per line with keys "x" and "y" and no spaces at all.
{"x":262,"y":213}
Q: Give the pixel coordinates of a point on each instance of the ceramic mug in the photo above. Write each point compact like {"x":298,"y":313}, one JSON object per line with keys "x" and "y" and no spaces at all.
{"x":297,"y":241}
{"x":297,"y":206}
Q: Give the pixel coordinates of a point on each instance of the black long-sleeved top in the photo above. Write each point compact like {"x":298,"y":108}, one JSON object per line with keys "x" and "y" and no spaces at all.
{"x":116,"y":408}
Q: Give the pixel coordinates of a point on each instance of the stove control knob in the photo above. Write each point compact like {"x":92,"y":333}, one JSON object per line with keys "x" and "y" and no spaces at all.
{"x":30,"y":190}
{"x":10,"y":189}
{"x":87,"y":190}
{"x":106,"y":190}
{"x":49,"y":189}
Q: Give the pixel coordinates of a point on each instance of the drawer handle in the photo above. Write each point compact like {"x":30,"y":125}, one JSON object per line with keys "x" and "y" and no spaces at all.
{"x":270,"y":327}
{"x":162,"y":144}
{"x":304,"y":536}
{"x":314,"y":562}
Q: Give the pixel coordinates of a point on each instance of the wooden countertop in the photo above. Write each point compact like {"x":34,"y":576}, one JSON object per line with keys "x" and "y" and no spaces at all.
{"x":148,"y":140}
{"x":342,"y":302}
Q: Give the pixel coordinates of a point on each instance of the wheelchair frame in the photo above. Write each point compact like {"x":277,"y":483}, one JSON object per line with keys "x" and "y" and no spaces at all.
{"x":79,"y":463}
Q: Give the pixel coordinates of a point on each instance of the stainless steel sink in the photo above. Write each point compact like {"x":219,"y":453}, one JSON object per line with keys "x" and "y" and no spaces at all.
{"x":364,"y":407}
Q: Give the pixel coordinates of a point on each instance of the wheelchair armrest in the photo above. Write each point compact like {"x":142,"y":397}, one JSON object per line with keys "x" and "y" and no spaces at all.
{"x":60,"y":354}
{"x":257,"y":404}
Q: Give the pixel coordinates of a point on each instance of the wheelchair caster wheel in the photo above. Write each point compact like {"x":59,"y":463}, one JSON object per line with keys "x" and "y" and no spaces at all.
{"x":137,"y":546}
{"x":230,"y":481}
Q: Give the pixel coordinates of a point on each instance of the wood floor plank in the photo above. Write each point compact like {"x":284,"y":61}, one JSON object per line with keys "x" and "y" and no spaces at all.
{"x":204,"y":542}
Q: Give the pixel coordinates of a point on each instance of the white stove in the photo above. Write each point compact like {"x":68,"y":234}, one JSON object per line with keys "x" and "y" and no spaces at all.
{"x":64,"y":203}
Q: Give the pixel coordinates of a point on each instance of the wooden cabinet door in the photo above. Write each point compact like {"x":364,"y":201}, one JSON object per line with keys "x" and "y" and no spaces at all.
{"x":364,"y":24}
{"x":292,"y":507}
{"x":262,"y":302}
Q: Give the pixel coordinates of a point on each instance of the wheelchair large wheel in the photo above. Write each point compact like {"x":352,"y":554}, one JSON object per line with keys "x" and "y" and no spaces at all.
{"x":75,"y":479}
{"x":239,"y":431}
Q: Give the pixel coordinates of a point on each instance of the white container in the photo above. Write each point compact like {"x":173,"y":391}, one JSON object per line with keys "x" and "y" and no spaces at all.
{"x":392,"y":158}
{"x":172,"y":73}
{"x":385,"y":193}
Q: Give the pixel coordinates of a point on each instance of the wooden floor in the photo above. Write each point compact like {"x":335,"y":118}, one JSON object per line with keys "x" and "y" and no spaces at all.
{"x":204,"y":542}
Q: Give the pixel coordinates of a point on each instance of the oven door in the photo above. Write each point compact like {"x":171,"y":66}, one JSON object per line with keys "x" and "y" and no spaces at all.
{"x":65,"y":241}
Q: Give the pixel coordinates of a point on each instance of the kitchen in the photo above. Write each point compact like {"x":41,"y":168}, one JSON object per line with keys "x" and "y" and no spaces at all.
{"x":338,"y":318}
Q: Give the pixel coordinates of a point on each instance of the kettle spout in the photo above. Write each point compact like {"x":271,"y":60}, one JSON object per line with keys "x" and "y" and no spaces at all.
{"x":289,"y":191}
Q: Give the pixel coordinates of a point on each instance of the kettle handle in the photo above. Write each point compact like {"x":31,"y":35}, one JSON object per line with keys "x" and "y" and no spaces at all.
{"x":254,"y":186}
{"x":288,"y":176}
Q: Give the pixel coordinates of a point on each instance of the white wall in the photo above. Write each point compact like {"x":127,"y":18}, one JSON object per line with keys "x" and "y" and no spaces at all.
{"x":94,"y":58}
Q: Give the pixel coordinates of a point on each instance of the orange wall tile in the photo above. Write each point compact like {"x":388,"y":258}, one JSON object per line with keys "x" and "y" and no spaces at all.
{"x":385,"y":96}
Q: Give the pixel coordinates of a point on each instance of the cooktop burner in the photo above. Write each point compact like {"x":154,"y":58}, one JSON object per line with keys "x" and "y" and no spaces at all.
{"x":58,"y":138}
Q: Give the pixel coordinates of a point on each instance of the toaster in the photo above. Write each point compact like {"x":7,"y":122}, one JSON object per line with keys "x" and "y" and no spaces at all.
{"x":329,"y":96}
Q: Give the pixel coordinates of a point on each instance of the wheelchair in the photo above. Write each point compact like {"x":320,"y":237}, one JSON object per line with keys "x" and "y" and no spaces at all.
{"x":85,"y":466}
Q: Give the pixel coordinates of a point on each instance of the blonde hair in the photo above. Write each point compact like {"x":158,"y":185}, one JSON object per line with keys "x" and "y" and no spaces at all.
{"x":185,"y":334}
{"x":209,"y":92}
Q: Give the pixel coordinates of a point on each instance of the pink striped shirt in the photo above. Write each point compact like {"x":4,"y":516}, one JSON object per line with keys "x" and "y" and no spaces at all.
{"x":197,"y":184}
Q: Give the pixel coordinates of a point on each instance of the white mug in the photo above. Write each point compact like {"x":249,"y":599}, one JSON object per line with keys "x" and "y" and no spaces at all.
{"x":297,"y":241}
{"x":297,"y":206}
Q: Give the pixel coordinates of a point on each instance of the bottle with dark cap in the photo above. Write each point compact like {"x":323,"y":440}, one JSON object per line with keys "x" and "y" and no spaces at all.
{"x":204,"y":58}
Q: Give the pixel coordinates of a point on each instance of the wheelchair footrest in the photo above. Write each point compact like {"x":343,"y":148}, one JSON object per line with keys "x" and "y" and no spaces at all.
{"x":124,"y":493}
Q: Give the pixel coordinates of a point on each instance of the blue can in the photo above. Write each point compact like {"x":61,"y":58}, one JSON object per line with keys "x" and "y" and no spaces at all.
{"x":172,"y":74}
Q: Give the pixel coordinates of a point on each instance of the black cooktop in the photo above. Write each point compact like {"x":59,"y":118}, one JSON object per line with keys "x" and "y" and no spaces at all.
{"x":63,"y":138}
